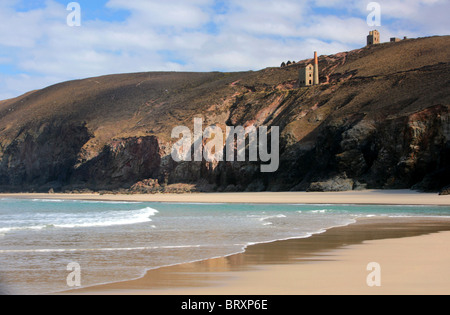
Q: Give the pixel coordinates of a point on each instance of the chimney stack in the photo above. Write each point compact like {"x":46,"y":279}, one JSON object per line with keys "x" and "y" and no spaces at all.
{"x":316,"y":69}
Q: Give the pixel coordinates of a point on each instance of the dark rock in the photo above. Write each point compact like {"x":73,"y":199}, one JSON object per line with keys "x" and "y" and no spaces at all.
{"x":121,"y":164}
{"x":338,"y":183}
{"x":231,"y":188}
{"x":445,"y":191}
{"x":146,"y":186}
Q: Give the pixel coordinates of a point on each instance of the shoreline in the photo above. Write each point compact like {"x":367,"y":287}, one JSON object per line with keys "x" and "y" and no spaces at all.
{"x":267,"y":268}
{"x":235,"y":274}
{"x":366,"y":197}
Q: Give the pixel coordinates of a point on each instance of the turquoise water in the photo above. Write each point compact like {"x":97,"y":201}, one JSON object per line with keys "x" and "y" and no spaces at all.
{"x":115,"y":241}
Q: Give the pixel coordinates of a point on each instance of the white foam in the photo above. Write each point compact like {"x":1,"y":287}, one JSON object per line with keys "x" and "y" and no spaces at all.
{"x":118,"y":218}
{"x":264,"y":219}
{"x":47,"y":200}
{"x":93,"y":219}
{"x":279,"y":216}
{"x":320,"y":211}
{"x":86,"y":201}
{"x":108,"y":202}
{"x":72,"y":250}
{"x":22,"y":228}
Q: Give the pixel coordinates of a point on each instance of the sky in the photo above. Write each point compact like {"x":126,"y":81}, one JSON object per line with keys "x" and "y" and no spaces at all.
{"x":38,"y":47}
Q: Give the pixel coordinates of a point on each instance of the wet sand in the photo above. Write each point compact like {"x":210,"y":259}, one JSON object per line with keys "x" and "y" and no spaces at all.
{"x":414,"y":255}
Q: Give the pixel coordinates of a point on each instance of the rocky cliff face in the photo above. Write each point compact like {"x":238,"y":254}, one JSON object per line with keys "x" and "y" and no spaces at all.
{"x":405,"y":152}
{"x":380,"y":119}
{"x":122,"y":163}
{"x":42,"y":157}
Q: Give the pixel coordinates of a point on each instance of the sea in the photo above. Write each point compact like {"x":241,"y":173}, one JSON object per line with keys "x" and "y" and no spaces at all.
{"x":42,"y":239}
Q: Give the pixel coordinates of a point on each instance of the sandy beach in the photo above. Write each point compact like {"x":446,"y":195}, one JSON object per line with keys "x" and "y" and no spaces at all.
{"x":413,"y":253}
{"x":375,"y":197}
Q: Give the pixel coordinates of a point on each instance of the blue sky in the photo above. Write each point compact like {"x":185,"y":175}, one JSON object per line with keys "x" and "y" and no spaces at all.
{"x":92,"y":9}
{"x":38,"y":48}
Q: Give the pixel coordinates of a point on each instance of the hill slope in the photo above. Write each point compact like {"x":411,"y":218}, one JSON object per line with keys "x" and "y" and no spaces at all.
{"x":380,"y":119}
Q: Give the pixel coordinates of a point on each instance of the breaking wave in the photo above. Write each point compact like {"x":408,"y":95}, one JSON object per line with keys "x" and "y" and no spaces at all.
{"x":84,"y":219}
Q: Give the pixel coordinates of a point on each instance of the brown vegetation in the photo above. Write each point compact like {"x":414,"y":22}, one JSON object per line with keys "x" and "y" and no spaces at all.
{"x":379,"y":119}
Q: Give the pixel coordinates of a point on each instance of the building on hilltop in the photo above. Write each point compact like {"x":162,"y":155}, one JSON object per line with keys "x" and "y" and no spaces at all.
{"x":309,"y":75}
{"x":306,"y":76}
{"x":373,"y":38}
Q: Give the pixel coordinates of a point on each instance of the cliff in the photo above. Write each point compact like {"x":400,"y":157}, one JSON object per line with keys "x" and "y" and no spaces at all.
{"x":379,"y":119}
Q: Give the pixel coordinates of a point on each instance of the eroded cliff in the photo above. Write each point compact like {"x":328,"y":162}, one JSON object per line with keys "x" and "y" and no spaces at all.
{"x":379,"y":119}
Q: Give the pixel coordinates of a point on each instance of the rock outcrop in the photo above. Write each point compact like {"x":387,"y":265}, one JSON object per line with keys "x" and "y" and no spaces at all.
{"x":445,"y":191}
{"x":121,"y":164}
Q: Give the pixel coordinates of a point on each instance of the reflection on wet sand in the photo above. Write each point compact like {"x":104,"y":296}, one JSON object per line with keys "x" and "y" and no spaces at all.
{"x":296,"y":251}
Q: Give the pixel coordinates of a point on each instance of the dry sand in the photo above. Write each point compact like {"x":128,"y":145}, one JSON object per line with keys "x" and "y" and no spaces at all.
{"x":392,"y":197}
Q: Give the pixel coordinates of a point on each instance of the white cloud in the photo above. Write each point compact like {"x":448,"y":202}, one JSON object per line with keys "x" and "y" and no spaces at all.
{"x":265,"y":17}
{"x":174,"y":13}
{"x":17,"y":84}
{"x":181,"y":35}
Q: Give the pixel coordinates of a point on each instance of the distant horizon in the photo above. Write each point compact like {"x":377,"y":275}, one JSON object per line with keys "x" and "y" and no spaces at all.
{"x":39,"y":47}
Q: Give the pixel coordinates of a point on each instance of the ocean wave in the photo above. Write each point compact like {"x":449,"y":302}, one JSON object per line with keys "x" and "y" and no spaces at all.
{"x":48,"y":200}
{"x":316,"y":211}
{"x":6,"y":230}
{"x":87,"y":201}
{"x":109,"y":202}
{"x":72,"y":250}
{"x":113,"y":218}
{"x":264,"y":219}
{"x":278,"y":216}
{"x":320,"y":211}
{"x":87,"y":220}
